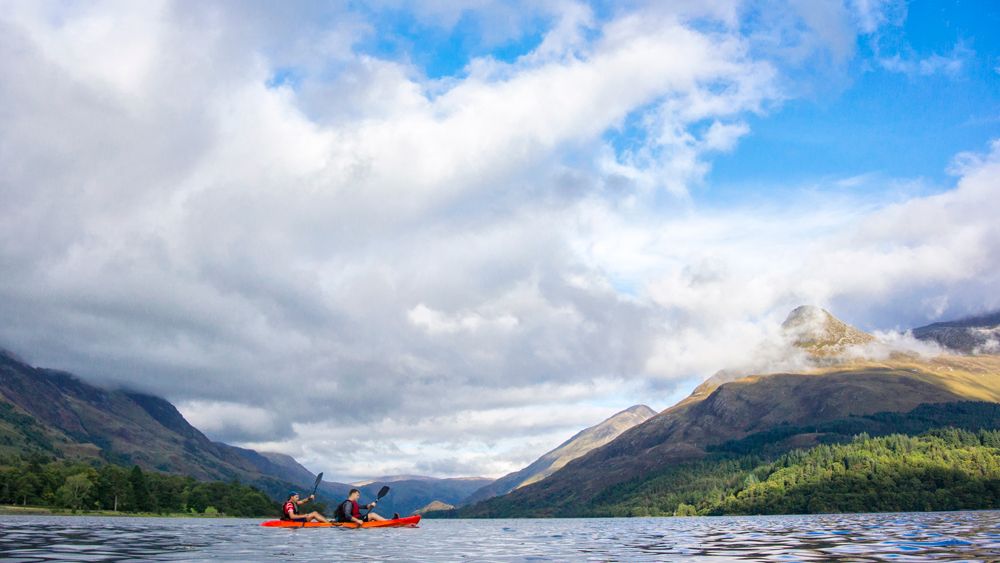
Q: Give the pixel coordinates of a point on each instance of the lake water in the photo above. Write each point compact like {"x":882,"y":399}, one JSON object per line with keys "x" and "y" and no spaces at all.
{"x":943,"y":536}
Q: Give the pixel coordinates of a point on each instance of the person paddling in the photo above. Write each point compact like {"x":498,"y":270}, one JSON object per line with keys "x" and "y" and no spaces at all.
{"x":290,"y":511}
{"x":350,"y":510}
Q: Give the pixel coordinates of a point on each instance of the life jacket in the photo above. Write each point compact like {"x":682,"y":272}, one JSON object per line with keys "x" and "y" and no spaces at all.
{"x":288,"y":506}
{"x":342,"y":514}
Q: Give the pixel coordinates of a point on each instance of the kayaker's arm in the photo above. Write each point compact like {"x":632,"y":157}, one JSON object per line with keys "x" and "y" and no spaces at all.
{"x":305,"y":500}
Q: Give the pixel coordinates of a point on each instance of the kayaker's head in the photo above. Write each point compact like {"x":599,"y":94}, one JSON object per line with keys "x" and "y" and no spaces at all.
{"x":354,"y":494}
{"x":293,"y":496}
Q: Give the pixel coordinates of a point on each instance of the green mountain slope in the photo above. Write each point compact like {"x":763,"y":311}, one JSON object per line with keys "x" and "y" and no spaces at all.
{"x":52,"y":412}
{"x":943,"y":470}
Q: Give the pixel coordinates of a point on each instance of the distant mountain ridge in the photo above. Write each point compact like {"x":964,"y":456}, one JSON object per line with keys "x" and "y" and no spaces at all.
{"x":578,"y":445}
{"x":979,"y":334}
{"x":392,"y":479}
{"x":407,"y":496}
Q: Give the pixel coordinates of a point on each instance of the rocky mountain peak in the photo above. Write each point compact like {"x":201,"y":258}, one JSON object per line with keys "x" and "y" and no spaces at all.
{"x":818,"y":332}
{"x":637,"y":410}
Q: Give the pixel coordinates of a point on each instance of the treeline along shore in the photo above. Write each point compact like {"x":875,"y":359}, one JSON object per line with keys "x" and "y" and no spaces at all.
{"x":37,"y":481}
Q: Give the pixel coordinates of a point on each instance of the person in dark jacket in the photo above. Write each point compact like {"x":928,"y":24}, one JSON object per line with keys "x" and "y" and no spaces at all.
{"x":350,"y":510}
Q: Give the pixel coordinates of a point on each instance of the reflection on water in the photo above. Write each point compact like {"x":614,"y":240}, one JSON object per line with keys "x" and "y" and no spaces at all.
{"x":941,"y":536}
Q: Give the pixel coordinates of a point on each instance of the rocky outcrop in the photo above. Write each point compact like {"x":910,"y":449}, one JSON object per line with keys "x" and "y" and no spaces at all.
{"x":821,"y":334}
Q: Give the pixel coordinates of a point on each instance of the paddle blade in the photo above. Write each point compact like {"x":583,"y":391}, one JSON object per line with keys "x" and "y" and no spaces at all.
{"x":382,"y":492}
{"x":316,"y":483}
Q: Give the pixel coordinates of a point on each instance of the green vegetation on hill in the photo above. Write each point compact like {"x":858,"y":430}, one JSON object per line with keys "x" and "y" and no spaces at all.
{"x":836,"y":466}
{"x":21,"y":432}
{"x":945,"y":469}
{"x":59,"y":415}
{"x":36,"y":480}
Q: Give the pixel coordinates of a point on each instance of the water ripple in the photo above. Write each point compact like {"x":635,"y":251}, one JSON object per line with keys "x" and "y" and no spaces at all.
{"x":941,"y":536}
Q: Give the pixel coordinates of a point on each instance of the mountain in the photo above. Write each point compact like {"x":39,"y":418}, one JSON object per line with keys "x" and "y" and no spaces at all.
{"x":581,"y":443}
{"x":821,"y":334}
{"x":294,"y":471}
{"x":434,"y":506}
{"x":392,"y":479}
{"x":837,"y":388}
{"x":972,"y":335}
{"x":810,"y":337}
{"x":407,"y":496}
{"x":882,"y":462}
{"x":61,"y":415}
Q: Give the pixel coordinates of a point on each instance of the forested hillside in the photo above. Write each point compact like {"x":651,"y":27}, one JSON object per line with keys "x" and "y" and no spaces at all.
{"x":39,"y":481}
{"x":945,"y":469}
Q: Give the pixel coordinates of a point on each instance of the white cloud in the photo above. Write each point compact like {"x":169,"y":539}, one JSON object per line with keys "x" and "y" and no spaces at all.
{"x":235,"y":419}
{"x":437,"y":322}
{"x":950,"y":64}
{"x":870,"y":15}
{"x":890,"y":342}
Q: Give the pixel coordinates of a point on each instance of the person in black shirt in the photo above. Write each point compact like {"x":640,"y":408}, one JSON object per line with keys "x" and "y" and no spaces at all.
{"x":350,"y":510}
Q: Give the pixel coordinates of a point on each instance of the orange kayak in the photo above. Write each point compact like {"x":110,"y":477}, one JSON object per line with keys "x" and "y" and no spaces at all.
{"x":408,"y":522}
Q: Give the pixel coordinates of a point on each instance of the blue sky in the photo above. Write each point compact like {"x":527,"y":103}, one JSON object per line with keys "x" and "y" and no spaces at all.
{"x":864,"y":119}
{"x":891,"y":123}
{"x":508,"y":220}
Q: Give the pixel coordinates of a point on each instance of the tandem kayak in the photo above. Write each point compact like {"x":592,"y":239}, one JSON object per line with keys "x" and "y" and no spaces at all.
{"x":408,"y":522}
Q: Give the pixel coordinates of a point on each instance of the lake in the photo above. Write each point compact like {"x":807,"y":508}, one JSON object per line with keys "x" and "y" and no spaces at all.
{"x":942,"y":536}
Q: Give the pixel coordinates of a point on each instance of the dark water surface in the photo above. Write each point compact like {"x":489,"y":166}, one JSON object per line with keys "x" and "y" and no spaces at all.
{"x":939,"y":536}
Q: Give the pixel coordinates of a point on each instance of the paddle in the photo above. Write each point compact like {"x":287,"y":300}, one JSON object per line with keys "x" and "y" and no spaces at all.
{"x":315,"y":486}
{"x":316,"y":483}
{"x":381,"y":493}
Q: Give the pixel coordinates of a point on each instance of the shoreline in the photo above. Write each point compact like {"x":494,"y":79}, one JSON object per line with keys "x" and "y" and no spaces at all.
{"x":19,"y":510}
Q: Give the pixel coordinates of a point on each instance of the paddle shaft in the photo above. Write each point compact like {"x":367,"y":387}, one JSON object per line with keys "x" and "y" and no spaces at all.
{"x":315,"y":486}
{"x":381,"y":493}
